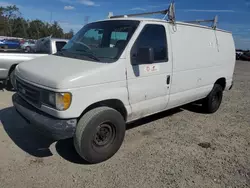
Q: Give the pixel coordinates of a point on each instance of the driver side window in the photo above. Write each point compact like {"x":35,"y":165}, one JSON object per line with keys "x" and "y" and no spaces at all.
{"x":153,"y":36}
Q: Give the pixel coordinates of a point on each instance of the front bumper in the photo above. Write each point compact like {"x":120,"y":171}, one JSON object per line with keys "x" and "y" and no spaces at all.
{"x":50,"y":126}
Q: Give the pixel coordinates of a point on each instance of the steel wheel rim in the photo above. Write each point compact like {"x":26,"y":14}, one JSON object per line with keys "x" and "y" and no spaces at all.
{"x":104,"y":135}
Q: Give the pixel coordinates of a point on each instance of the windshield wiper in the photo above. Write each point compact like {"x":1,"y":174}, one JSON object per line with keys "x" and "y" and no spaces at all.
{"x":89,"y":55}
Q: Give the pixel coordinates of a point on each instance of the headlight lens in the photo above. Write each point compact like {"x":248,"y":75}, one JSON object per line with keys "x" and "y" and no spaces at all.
{"x":59,"y":101}
{"x":63,"y":101}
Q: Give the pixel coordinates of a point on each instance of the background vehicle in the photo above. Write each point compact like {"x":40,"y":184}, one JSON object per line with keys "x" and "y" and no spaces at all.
{"x":92,"y":88}
{"x":9,"y":60}
{"x":28,"y":46}
{"x":10,"y":44}
{"x":238,"y":54}
{"x":245,"y":56}
{"x":49,"y":45}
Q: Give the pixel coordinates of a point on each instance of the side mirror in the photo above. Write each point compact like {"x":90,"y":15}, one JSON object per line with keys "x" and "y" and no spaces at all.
{"x":143,"y":56}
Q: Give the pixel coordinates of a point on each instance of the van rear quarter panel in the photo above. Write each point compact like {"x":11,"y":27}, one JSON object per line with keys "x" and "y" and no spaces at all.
{"x":226,"y":56}
{"x":200,"y":57}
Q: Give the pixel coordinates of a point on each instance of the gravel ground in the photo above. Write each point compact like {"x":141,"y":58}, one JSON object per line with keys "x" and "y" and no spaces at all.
{"x":178,"y":148}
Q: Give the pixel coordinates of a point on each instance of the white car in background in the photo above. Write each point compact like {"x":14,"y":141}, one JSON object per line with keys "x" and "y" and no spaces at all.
{"x":28,"y":46}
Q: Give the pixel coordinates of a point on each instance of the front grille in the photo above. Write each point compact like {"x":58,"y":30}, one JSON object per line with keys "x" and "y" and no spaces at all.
{"x":28,"y":92}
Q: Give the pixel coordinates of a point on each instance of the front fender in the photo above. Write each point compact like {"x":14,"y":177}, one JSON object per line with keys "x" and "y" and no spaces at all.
{"x":84,"y":97}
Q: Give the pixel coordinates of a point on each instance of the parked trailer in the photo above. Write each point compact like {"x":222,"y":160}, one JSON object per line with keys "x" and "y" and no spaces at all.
{"x":92,"y":88}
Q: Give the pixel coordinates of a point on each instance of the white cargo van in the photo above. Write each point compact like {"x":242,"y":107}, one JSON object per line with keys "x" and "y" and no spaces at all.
{"x":119,"y":70}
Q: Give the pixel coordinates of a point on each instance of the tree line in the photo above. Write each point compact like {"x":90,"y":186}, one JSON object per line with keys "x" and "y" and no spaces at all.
{"x":12,"y":24}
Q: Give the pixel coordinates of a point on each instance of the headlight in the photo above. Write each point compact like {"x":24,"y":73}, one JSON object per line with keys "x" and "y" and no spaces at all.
{"x":59,"y":101}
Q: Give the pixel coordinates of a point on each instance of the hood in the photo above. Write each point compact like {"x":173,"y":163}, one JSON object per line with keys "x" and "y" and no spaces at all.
{"x":60,"y":72}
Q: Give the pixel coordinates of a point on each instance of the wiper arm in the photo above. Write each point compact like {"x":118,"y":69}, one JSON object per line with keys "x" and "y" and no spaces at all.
{"x":90,"y":55}
{"x":89,"y":52}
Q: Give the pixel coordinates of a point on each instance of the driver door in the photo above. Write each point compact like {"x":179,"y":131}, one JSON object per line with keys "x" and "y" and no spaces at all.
{"x":149,"y":83}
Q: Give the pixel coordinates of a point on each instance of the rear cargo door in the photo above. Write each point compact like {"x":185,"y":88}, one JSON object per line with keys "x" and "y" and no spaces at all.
{"x":149,"y":84}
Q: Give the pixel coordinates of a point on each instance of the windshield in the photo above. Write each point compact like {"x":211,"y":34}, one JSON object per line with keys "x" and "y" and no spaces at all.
{"x":100,"y":41}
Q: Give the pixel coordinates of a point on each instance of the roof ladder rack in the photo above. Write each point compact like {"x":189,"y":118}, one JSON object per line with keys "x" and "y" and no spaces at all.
{"x":167,"y":12}
{"x":141,"y":14}
{"x":214,"y":21}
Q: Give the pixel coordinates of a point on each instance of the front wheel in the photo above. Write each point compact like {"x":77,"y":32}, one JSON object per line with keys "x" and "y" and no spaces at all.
{"x":213,"y":101}
{"x":11,"y":82}
{"x":99,"y":134}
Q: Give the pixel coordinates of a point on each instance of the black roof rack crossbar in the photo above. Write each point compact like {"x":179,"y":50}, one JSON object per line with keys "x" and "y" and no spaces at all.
{"x":141,"y":14}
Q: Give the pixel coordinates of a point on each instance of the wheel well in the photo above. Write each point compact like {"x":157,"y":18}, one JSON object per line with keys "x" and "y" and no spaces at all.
{"x":12,"y":68}
{"x":221,"y":82}
{"x":112,"y":103}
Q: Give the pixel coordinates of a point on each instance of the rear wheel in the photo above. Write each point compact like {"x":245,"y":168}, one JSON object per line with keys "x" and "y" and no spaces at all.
{"x":213,"y":101}
{"x":99,"y":134}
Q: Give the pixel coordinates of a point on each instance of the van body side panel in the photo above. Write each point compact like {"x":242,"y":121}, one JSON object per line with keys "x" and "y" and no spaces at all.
{"x":199,"y":59}
{"x":227,"y":56}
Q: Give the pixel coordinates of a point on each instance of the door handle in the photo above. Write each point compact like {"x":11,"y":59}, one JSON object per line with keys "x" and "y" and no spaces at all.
{"x":168,"y":79}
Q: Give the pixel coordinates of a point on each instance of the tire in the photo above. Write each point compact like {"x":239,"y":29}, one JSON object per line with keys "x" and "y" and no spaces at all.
{"x":11,"y":81}
{"x":213,"y":101}
{"x":90,"y":143}
{"x":28,"y":49}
